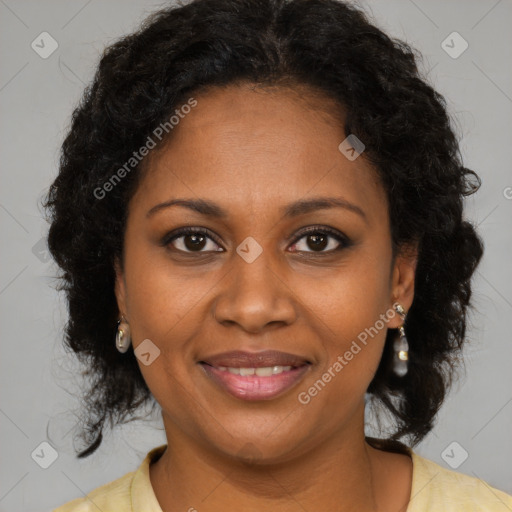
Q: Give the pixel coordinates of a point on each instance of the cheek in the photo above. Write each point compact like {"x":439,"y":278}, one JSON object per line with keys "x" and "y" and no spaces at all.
{"x":166,"y":306}
{"x":353,"y":296}
{"x":171,"y":386}
{"x":352,"y":308}
{"x":161,"y":298}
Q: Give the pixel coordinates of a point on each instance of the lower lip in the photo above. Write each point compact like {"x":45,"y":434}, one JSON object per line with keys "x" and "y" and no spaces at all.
{"x":252,"y":387}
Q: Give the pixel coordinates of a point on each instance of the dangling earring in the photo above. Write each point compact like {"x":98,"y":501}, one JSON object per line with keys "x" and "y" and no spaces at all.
{"x":123,"y":337}
{"x":401,"y":355}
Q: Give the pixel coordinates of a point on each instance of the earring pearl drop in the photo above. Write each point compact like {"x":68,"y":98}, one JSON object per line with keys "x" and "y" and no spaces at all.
{"x":401,"y":347}
{"x":123,"y":337}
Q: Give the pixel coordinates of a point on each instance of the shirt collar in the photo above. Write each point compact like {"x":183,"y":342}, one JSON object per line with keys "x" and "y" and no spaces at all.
{"x":142,"y":496}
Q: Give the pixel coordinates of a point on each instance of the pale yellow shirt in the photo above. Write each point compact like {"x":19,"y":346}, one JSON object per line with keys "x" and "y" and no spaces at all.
{"x":434,"y":489}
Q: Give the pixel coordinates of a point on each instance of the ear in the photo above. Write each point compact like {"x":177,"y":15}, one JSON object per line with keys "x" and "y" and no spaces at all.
{"x":402,"y":281}
{"x":120,"y":288}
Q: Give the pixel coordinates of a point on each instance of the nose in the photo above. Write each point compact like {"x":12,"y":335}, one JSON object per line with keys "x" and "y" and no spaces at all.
{"x":254,"y":296}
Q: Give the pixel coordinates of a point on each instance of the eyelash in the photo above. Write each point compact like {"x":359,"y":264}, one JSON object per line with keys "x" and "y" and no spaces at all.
{"x":344,"y":242}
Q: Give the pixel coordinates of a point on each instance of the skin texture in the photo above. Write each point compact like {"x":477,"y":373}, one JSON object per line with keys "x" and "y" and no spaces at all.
{"x":252,"y":152}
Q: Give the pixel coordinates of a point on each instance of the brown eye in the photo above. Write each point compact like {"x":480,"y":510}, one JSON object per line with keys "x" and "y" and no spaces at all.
{"x":320,"y":240}
{"x":317,"y":242}
{"x":194,"y":242}
{"x":191,"y":240}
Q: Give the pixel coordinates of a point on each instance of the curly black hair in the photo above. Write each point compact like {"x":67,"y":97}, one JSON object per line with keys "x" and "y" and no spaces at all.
{"x":332,"y":48}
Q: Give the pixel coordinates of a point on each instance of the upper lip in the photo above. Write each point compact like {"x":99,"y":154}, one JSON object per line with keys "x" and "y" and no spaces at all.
{"x":242,"y":359}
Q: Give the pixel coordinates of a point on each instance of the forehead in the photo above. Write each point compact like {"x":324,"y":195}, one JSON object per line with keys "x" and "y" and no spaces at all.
{"x":250,"y":147}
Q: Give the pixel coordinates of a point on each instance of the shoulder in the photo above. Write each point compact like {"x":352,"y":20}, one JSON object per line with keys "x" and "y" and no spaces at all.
{"x":112,"y":496}
{"x":437,"y":488}
{"x":132,"y":491}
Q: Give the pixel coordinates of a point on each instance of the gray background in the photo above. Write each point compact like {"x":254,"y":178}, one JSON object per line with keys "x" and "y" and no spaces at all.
{"x":36,"y":100}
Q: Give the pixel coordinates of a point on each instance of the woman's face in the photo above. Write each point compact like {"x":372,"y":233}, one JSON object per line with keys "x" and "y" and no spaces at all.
{"x":252,"y":162}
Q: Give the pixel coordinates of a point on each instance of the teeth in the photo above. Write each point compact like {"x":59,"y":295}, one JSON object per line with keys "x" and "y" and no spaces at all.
{"x":266,"y":371}
{"x":280,"y":369}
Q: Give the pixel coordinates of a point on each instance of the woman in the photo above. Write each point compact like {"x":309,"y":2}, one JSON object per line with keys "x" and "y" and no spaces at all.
{"x":259,"y":217}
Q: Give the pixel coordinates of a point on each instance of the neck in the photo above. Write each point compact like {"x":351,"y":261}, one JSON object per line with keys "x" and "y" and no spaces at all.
{"x":343,"y":473}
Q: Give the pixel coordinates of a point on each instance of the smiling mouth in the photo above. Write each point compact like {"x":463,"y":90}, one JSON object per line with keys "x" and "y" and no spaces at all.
{"x":255,"y":376}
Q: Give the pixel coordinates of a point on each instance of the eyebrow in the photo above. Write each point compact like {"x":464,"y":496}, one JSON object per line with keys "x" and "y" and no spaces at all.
{"x":301,"y":207}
